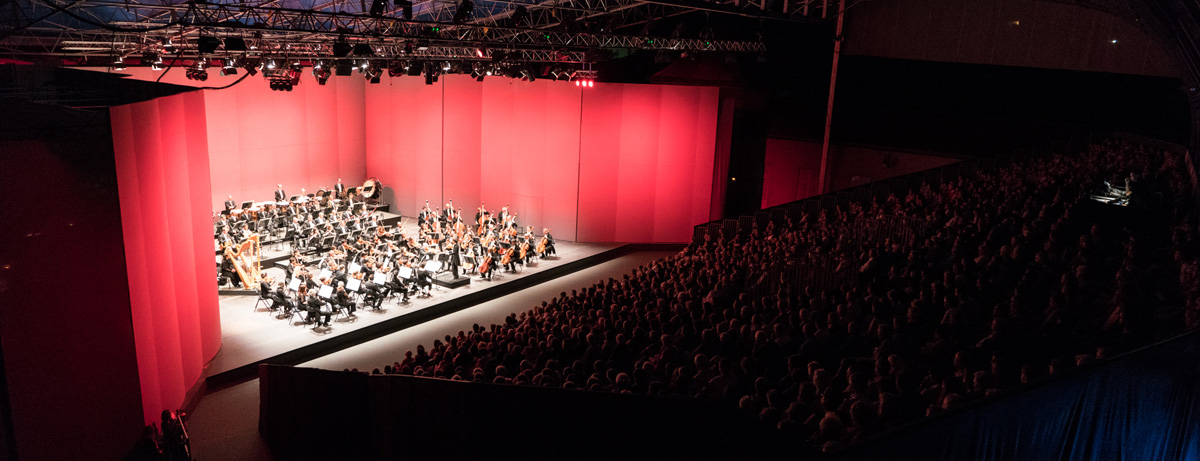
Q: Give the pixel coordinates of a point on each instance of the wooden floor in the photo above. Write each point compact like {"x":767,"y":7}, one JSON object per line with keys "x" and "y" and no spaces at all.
{"x":252,"y":334}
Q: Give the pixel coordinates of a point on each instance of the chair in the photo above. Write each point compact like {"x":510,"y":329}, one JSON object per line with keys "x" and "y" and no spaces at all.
{"x":261,"y":300}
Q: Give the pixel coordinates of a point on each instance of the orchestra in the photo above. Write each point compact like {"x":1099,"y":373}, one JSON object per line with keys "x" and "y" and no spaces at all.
{"x":342,"y":255}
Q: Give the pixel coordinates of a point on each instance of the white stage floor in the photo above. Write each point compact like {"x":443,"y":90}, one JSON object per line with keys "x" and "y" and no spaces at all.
{"x":252,"y":334}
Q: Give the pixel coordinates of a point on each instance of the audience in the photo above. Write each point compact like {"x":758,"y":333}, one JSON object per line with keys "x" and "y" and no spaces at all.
{"x":1004,"y":277}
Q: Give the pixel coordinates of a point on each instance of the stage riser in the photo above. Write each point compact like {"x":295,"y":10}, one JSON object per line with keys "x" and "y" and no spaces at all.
{"x":319,"y":349}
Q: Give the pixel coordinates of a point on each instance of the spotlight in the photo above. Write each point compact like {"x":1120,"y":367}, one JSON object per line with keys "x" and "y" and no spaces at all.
{"x":464,"y":11}
{"x":168,"y":46}
{"x":363,"y":49}
{"x":446,"y":66}
{"x":230,"y":68}
{"x":377,"y":7}
{"x":118,"y":64}
{"x":235,"y":44}
{"x":207,"y":45}
{"x":591,"y":83}
{"x":271,"y":64}
{"x":321,"y":73}
{"x":406,"y":8}
{"x":251,"y":65}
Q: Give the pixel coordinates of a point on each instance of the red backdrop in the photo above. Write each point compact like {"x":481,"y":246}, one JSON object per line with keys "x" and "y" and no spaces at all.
{"x":163,"y":181}
{"x":615,"y":162}
{"x":304,"y":138}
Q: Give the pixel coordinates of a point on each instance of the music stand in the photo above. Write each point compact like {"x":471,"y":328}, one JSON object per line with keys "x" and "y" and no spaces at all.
{"x":326,"y":292}
{"x":325,"y":273}
{"x":294,"y":285}
{"x":404,"y":272}
{"x":353,"y":284}
{"x":247,"y":204}
{"x":380,"y":278}
{"x":353,"y":268}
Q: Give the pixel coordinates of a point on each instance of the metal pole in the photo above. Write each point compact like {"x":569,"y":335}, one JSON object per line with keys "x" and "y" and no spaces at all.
{"x":837,"y":52}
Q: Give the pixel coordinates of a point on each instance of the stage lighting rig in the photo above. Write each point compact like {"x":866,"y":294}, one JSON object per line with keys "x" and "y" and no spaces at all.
{"x":198,"y":71}
{"x":321,"y":72}
{"x":584,"y":78}
{"x":230,"y":67}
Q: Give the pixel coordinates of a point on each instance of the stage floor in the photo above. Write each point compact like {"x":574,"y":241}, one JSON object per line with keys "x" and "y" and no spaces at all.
{"x":250,"y":335}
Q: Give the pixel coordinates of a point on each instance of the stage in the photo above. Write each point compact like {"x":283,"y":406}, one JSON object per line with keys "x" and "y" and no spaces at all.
{"x":254,"y":334}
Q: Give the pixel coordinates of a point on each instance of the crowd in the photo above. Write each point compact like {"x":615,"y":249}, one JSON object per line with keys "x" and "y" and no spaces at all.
{"x":1016,"y":275}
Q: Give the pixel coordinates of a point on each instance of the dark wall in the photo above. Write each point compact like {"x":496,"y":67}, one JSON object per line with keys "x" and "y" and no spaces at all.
{"x":319,"y":414}
{"x":1143,"y":405}
{"x":65,"y":326}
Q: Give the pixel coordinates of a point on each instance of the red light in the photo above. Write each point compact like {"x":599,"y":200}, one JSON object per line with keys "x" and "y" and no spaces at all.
{"x":591,"y":83}
{"x":577,"y":83}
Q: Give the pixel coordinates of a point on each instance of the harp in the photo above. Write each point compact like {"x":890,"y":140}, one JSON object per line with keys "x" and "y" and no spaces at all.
{"x":246,"y":259}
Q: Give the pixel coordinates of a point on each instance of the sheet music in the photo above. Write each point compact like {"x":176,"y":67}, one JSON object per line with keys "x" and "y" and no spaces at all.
{"x":353,"y":284}
{"x":326,"y":291}
{"x":380,"y":278}
{"x":404,"y":272}
{"x":294,"y":284}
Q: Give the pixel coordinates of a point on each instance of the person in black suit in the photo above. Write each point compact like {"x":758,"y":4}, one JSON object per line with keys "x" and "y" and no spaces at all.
{"x":339,"y":189}
{"x":315,"y":304}
{"x":227,"y":270}
{"x":229,"y":205}
{"x":280,"y":195}
{"x":280,"y":297}
{"x":342,"y":299}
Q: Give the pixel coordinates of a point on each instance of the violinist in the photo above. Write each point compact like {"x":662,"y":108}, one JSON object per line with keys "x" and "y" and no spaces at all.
{"x":280,"y":298}
{"x":342,"y":299}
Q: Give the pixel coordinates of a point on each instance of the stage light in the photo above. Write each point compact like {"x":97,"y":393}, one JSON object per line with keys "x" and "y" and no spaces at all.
{"x":207,"y":45}
{"x":271,"y":64}
{"x":364,"y":50}
{"x":446,"y":66}
{"x":377,"y":7}
{"x":157,"y":63}
{"x":591,"y":83}
{"x":118,"y":64}
{"x":251,"y":65}
{"x":406,"y":8}
{"x":235,"y":44}
{"x":464,"y":11}
{"x":321,"y":72}
{"x":168,"y":46}
{"x":228,"y":69}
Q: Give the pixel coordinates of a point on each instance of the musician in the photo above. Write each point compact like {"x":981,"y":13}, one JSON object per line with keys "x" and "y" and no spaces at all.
{"x":264,"y":288}
{"x":228,"y":271}
{"x":280,"y":195}
{"x":339,"y":189}
{"x":315,"y":305}
{"x":549,"y":241}
{"x":426,"y":214}
{"x":229,"y":205}
{"x":280,"y":298}
{"x":448,"y":212}
{"x":502,"y":217}
{"x":489,"y":262}
{"x":341,"y":298}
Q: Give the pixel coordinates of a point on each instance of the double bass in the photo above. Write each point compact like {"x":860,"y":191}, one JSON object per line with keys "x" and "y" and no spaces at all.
{"x":541,"y":246}
{"x":524,"y":250}
{"x":486,"y":265}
